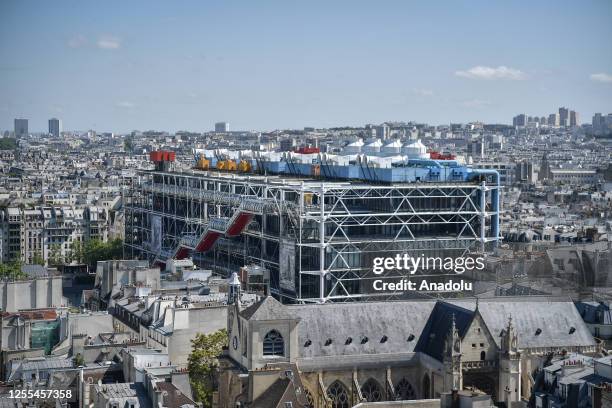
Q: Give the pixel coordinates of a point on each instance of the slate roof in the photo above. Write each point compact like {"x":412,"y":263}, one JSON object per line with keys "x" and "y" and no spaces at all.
{"x":439,"y":324}
{"x":34,"y":271}
{"x":338,"y":329}
{"x":267,"y":308}
{"x":173,"y":397}
{"x":273,"y":395}
{"x":339,"y":321}
{"x":125,"y":392}
{"x":553,"y":317}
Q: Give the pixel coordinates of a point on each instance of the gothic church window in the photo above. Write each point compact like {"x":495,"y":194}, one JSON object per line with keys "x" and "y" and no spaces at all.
{"x":273,"y":344}
{"x":338,"y":395}
{"x":404,"y":390}
{"x":371,"y":391}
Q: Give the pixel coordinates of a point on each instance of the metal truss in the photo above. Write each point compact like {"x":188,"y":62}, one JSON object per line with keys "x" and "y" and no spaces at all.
{"x":317,"y":238}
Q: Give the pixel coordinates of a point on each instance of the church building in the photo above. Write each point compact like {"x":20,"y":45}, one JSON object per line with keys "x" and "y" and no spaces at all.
{"x":339,"y":354}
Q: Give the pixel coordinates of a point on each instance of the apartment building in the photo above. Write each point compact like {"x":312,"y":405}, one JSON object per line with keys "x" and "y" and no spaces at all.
{"x":48,"y":231}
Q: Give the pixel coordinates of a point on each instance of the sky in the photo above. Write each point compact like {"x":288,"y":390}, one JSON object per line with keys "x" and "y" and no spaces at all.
{"x":264,"y":65}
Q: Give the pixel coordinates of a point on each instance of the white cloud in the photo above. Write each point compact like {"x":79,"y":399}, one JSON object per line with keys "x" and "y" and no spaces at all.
{"x":109,"y":43}
{"x":125,"y":104}
{"x":501,"y":72}
{"x":77,"y":41}
{"x":601,"y":77}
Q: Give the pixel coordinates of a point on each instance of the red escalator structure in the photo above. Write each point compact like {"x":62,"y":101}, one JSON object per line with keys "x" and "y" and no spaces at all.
{"x":214,"y":229}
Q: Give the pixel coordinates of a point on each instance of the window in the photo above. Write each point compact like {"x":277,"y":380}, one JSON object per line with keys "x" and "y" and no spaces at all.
{"x":339,"y":395}
{"x":371,"y":391}
{"x":309,"y":400}
{"x":404,"y":391}
{"x":482,"y":356}
{"x":273,"y":344}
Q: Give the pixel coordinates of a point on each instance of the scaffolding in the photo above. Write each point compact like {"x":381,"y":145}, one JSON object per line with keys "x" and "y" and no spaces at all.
{"x":317,"y":238}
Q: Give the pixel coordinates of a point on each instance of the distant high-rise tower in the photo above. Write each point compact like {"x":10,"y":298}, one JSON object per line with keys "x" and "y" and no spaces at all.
{"x":553,"y":119}
{"x":382,"y":131}
{"x":598,"y":122}
{"x":563,"y":117}
{"x":55,"y":127}
{"x":222,"y":127}
{"x":519,"y":120}
{"x":21,"y":127}
{"x":574,"y":119}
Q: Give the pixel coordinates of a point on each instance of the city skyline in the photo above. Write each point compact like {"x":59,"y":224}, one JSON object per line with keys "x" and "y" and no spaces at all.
{"x":275,"y":66}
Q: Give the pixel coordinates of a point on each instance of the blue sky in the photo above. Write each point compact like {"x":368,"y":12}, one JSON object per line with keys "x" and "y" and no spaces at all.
{"x":263,"y":65}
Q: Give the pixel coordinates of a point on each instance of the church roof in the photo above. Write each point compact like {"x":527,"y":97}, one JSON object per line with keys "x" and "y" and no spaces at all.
{"x":335,"y":329}
{"x":370,"y":328}
{"x":439,"y":324}
{"x":539,"y":322}
{"x":272,"y":396}
{"x":267,"y":308}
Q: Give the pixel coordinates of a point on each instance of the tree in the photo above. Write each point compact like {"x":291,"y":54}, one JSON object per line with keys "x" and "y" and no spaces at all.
{"x":202,"y":364}
{"x":96,"y":250}
{"x":38,"y":260}
{"x":55,"y":255}
{"x":11,"y":270}
{"x":7,"y":143}
{"x":76,"y":252}
{"x":78,"y":360}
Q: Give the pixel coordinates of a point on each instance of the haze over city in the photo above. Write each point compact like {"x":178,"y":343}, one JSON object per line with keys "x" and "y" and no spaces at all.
{"x":119,"y":66}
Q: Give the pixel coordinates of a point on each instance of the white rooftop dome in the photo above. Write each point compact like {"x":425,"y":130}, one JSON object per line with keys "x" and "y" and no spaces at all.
{"x":393,"y":147}
{"x":372,"y":147}
{"x":353,"y":147}
{"x":415,"y":150}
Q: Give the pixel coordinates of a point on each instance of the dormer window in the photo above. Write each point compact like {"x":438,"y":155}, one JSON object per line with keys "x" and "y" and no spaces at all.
{"x":348,"y":341}
{"x":384,"y":339}
{"x":328,"y":342}
{"x":364,"y":340}
{"x":308,"y":343}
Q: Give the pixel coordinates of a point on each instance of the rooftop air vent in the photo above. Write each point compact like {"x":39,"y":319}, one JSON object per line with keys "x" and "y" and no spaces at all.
{"x":384,"y":339}
{"x":328,"y":342}
{"x":538,"y":331}
{"x":411,"y":337}
{"x":572,"y":330}
{"x":308,"y":343}
{"x":364,"y":340}
{"x":348,"y":341}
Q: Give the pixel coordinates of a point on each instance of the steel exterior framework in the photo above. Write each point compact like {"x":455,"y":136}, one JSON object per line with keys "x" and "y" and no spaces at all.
{"x":317,"y":238}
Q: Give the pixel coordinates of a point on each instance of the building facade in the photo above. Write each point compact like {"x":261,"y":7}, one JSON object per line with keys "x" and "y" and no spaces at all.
{"x":340,"y":354}
{"x":316,"y":228}
{"x":45,"y":232}
{"x":55,"y":127}
{"x":21,"y":128}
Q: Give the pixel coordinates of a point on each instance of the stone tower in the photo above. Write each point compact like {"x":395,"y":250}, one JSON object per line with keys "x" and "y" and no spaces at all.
{"x":509,"y":366}
{"x":452,"y":360}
